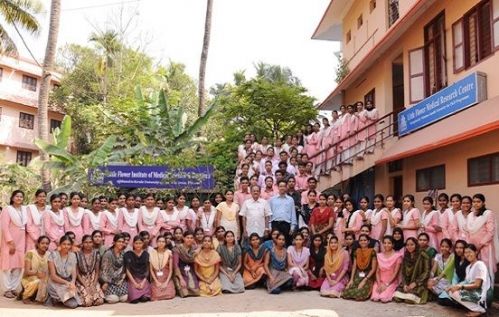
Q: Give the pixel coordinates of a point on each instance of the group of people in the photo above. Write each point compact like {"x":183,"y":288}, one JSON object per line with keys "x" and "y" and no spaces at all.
{"x":349,"y":134}
{"x":136,"y":249}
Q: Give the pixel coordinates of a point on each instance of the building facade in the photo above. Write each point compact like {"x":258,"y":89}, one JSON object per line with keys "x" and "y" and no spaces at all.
{"x":438,"y":58}
{"x":20,"y":81}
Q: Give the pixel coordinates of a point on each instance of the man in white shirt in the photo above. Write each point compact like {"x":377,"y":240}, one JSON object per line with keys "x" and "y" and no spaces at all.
{"x":255,"y":214}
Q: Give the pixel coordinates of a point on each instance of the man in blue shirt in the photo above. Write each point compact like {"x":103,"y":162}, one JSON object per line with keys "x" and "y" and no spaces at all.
{"x":283,"y":211}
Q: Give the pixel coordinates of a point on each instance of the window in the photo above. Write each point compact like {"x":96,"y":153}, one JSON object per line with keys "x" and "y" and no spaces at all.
{"x":477,"y":33}
{"x":26,"y":120}
{"x":458,"y":45}
{"x":495,"y":23}
{"x":483,"y":170}
{"x":54,"y":124}
{"x":430,"y":178}
{"x":360,"y":21}
{"x":372,"y":5}
{"x":348,"y":36}
{"x":416,"y":75}
{"x":29,"y":82}
{"x":395,"y":166}
{"x":434,"y":49}
{"x":393,"y":11}
{"x":370,"y":96}
{"x":23,"y":158}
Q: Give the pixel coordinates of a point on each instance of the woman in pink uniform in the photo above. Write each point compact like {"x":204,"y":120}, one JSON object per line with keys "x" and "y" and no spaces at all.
{"x":387,"y":274}
{"x":354,"y":220}
{"x":378,"y":218}
{"x":34,"y":225}
{"x":73,"y":217}
{"x":430,"y":222}
{"x":410,"y":223}
{"x":130,"y":217}
{"x":150,"y":219}
{"x":13,"y":244}
{"x":447,"y":222}
{"x":312,"y":144}
{"x":92,"y":220}
{"x":394,"y":214}
{"x":483,"y":233}
{"x":362,"y":122}
{"x":170,"y":216}
{"x":462,"y":218}
{"x":53,"y":222}
{"x":112,"y":221}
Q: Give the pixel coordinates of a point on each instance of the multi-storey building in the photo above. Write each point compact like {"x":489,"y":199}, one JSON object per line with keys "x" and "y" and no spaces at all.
{"x":19,"y":86}
{"x":432,"y":69}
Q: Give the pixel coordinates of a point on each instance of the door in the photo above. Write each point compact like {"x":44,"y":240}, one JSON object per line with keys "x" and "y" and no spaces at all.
{"x":398,"y":189}
{"x":397,"y":89}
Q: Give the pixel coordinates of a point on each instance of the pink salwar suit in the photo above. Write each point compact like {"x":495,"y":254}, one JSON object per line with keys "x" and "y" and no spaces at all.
{"x":73,"y":221}
{"x":355,"y":222}
{"x":462,"y":226}
{"x":362,"y":122}
{"x":409,"y":218}
{"x":53,"y":225}
{"x":372,"y":118}
{"x":448,"y":224}
{"x":483,"y":234}
{"x":130,"y":222}
{"x":13,"y":229}
{"x":386,"y":269}
{"x":430,"y":220}
{"x":170,"y":221}
{"x":111,"y":222}
{"x":312,"y":147}
{"x":150,"y":222}
{"x":33,"y":226}
{"x":376,"y":219}
{"x":92,"y":222}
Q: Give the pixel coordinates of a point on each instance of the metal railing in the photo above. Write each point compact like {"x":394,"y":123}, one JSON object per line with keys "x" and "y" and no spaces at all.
{"x":384,"y":130}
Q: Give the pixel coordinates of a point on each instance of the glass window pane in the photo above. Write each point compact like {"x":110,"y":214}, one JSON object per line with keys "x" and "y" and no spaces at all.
{"x":459,"y":57}
{"x":438,"y":177}
{"x":495,"y":169}
{"x":479,"y":171}
{"x":496,"y":34}
{"x":422,"y":181}
{"x":417,"y":88}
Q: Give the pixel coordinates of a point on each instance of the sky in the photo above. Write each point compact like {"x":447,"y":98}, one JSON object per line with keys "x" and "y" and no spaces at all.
{"x":244,"y":32}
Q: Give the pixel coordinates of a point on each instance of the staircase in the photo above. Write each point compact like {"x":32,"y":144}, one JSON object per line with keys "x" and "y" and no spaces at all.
{"x":385,"y":138}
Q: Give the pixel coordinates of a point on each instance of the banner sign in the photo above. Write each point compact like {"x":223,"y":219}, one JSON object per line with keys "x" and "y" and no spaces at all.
{"x":200,"y":177}
{"x":464,"y":93}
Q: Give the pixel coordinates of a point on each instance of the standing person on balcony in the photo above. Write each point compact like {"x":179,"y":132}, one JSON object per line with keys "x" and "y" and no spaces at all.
{"x":312,"y":143}
{"x":332,"y":139}
{"x":372,"y":118}
{"x":347,"y":135}
{"x":361,"y":115}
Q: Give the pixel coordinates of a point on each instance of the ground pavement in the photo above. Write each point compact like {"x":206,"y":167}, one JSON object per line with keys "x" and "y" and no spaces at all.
{"x":253,"y":303}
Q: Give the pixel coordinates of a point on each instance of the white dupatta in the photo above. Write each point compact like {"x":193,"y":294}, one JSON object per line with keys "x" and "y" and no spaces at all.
{"x":75,"y":219}
{"x":207,"y":223}
{"x":170,"y":217}
{"x":36,"y":215}
{"x":19,"y":218}
{"x":132,"y":218}
{"x":407,"y":216}
{"x":112,"y":217}
{"x":148,"y":218}
{"x":376,"y":216}
{"x":94,"y":219}
{"x":427,"y":216}
{"x":352,"y":219}
{"x":57,"y":219}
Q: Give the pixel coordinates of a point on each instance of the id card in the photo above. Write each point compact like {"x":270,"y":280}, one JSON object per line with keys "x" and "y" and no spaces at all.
{"x":362,"y":274}
{"x":187,"y":268}
{"x":159,"y":273}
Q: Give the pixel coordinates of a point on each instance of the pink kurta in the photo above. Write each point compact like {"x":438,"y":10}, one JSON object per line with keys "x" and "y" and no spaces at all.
{"x":386,"y":269}
{"x":372,"y":117}
{"x":409,"y":218}
{"x":448,"y":224}
{"x":462,"y":227}
{"x":376,"y":218}
{"x":344,"y":129}
{"x":89,"y":226}
{"x":171,"y":221}
{"x":483,"y":234}
{"x":53,"y":230}
{"x":76,"y":227}
{"x":152,"y":228}
{"x":362,"y":123}
{"x":110,"y":223}
{"x":267,"y":194}
{"x":301,"y":182}
{"x":10,"y":231}
{"x":130,"y":222}
{"x":353,"y":128}
{"x":397,"y":216}
{"x":355,"y":222}
{"x":241,"y":197}
{"x":33,"y":227}
{"x":312,"y":146}
{"x":430,"y":220}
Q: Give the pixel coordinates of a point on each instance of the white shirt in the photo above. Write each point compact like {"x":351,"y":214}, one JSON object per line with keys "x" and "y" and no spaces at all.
{"x":255,"y":212}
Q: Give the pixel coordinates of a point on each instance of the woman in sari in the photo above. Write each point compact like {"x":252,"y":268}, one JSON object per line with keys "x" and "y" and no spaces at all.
{"x":442,"y":270}
{"x":387,"y":274}
{"x":415,"y":274}
{"x":161,"y":267}
{"x":298,"y":257}
{"x":35,"y":276}
{"x":253,"y":261}
{"x":137,"y":272}
{"x":186,"y":281}
{"x":336,"y":263}
{"x":231,"y":255}
{"x":316,"y":262}
{"x":207,"y":268}
{"x":228,"y":214}
{"x":278,"y":277}
{"x":476,"y":291}
{"x":322,"y":219}
{"x":363,"y":272}
{"x":113,"y":272}
{"x":62,"y":271}
{"x":87,"y":280}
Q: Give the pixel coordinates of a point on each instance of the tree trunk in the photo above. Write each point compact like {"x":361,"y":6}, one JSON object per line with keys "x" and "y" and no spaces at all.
{"x":204,"y":58}
{"x":48,"y":67}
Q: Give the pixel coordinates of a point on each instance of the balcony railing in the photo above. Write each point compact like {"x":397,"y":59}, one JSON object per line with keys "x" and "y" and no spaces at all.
{"x":385,"y":129}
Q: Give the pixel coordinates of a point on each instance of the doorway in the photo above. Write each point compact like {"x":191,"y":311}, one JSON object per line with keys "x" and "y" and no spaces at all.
{"x":397,"y":189}
{"x":397,"y":89}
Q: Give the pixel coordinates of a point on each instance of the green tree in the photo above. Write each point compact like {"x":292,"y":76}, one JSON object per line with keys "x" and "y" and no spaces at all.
{"x":17,"y":13}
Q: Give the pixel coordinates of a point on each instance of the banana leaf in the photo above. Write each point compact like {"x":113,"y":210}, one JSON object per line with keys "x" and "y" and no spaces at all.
{"x":55,"y":151}
{"x":190,"y":131}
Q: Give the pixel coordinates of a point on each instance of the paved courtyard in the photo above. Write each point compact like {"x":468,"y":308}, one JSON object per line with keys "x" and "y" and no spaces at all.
{"x":252,"y":303}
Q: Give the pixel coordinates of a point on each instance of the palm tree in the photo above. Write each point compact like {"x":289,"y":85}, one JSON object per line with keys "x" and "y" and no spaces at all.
{"x":109,"y":44}
{"x":17,"y":13}
{"x":204,"y":58}
{"x":47,"y":69}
